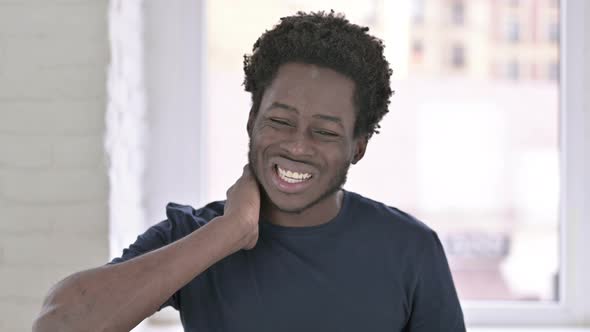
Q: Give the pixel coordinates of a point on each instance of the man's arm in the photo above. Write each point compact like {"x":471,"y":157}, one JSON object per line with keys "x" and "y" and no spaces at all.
{"x":117,"y":297}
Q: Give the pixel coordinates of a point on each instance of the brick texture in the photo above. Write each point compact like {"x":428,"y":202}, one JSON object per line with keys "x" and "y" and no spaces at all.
{"x":53,"y":175}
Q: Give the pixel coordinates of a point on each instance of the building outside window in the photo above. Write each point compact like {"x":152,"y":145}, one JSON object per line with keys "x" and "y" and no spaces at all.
{"x":418,"y":11}
{"x":513,"y":31}
{"x":458,"y":56}
{"x":553,"y":71}
{"x":417,"y":50}
{"x":458,"y":13}
{"x":553,"y":32}
{"x":513,"y":70}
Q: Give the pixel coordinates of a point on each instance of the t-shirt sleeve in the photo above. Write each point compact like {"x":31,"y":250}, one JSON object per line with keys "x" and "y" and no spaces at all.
{"x":435,"y":304}
{"x":155,"y":237}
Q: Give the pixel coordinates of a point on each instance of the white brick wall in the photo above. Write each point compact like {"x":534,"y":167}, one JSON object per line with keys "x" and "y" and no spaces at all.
{"x":53,"y":178}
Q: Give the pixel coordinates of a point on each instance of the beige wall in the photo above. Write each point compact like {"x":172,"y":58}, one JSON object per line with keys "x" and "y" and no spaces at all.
{"x":53,"y":180}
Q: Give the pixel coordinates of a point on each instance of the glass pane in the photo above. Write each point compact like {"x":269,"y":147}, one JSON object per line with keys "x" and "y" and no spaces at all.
{"x":470,"y":145}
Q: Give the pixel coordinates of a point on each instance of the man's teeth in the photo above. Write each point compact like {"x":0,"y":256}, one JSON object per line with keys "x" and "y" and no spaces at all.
{"x":292,"y":177}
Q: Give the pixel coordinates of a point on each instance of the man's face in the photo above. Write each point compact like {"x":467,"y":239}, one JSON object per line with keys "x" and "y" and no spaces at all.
{"x":301,"y":140}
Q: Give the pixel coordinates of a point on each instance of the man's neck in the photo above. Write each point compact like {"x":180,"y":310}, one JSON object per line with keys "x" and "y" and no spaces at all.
{"x":318,"y":214}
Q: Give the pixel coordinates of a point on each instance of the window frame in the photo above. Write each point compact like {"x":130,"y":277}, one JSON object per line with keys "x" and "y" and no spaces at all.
{"x":572,"y":308}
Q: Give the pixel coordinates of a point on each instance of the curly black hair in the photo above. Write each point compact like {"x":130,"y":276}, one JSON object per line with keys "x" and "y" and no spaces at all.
{"x":331,"y":41}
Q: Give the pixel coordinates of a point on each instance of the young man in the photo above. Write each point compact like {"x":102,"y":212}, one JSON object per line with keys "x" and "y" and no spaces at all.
{"x":289,"y":250}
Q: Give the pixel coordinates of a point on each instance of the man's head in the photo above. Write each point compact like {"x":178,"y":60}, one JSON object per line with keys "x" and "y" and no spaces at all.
{"x":320,"y":86}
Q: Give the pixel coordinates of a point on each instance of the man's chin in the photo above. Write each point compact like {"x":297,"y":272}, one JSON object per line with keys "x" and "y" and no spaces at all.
{"x":291,"y":210}
{"x":298,"y":205}
{"x":289,"y":206}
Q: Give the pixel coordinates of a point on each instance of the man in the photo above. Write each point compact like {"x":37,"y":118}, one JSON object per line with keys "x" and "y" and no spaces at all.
{"x":289,"y":250}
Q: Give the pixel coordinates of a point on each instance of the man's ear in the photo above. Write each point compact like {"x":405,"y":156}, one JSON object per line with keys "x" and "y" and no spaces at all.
{"x":360,"y":148}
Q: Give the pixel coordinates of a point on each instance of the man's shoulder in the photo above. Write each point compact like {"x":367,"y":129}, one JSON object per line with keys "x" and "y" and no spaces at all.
{"x":187,"y":213}
{"x":389,"y":217}
{"x":182,"y":219}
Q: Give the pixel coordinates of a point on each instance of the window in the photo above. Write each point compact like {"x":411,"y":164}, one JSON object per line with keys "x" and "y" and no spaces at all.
{"x":483,"y":170}
{"x":418,"y":11}
{"x":458,"y":13}
{"x":513,"y":70}
{"x":553,"y":32}
{"x":458,"y":56}
{"x":513,"y":31}
{"x":417,"y":50}
{"x":474,"y":166}
{"x":553,"y":71}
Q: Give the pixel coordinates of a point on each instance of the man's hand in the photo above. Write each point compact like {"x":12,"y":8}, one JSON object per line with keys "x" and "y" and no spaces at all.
{"x":243,"y":206}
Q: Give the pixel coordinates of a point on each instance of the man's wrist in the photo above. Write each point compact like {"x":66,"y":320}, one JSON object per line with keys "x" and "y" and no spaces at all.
{"x":232,"y":230}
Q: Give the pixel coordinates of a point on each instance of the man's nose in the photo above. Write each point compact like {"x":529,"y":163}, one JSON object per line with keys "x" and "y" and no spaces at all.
{"x":299,"y":143}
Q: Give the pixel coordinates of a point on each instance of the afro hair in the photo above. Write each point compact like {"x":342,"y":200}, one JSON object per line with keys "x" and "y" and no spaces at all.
{"x":331,"y":41}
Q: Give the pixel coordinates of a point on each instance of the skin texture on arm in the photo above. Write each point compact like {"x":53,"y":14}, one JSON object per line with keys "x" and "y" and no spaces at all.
{"x":118,"y":297}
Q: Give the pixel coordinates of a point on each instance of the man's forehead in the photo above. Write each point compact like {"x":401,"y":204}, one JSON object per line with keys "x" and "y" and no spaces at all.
{"x":311,"y":88}
{"x":311,"y":81}
{"x":314,"y":72}
{"x":296,"y":70}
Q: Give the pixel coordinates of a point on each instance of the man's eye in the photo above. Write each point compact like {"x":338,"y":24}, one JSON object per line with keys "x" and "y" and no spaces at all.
{"x":326,"y":133}
{"x":281,"y":122}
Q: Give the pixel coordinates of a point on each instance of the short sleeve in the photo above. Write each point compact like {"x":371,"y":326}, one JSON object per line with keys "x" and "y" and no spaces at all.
{"x":181,"y":221}
{"x":435,"y":304}
{"x":155,"y":237}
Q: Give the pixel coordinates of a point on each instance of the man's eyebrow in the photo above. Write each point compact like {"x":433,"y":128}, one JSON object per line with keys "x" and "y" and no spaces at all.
{"x":328,"y":118}
{"x":325,"y":117}
{"x":282,"y":106}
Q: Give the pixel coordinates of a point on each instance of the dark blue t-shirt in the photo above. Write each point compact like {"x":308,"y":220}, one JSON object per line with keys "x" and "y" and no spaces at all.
{"x":371,"y":268}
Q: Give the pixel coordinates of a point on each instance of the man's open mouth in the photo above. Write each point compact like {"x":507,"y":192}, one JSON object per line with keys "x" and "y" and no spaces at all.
{"x":291,"y":176}
{"x":293,"y":180}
